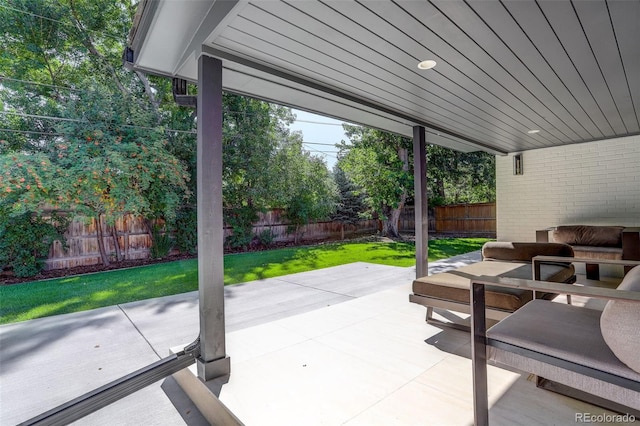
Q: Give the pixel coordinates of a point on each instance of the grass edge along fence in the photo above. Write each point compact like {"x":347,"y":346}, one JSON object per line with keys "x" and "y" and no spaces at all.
{"x":134,"y":240}
{"x":37,"y":299}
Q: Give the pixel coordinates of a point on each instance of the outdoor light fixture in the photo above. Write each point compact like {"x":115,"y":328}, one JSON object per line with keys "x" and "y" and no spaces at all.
{"x":517,"y":164}
{"x":533,"y":131}
{"x":427,"y":65}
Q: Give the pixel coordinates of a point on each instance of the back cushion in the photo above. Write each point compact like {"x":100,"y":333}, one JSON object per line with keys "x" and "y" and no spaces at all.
{"x":584,"y":235}
{"x":620,"y":323}
{"x":523,"y":252}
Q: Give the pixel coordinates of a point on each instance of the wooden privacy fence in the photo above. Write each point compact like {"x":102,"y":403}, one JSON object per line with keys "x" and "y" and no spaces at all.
{"x":466,"y":218}
{"x":135,"y":242}
{"x":276,"y":221}
{"x":82,"y":243}
{"x":407,"y":221}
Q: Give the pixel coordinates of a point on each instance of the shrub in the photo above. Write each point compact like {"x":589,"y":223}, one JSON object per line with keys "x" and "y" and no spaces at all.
{"x":266,"y":237}
{"x":241,"y":221}
{"x":162,"y":243}
{"x":25,"y":241}
{"x":186,"y":230}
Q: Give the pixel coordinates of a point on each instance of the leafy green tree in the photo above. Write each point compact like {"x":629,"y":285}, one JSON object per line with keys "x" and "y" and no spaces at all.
{"x":115,"y":142}
{"x":350,"y":206}
{"x":106,"y":168}
{"x":252,"y":132}
{"x":456,"y":177}
{"x":100,"y":167}
{"x":96,"y":125}
{"x":380,"y":164}
{"x":305,"y":188}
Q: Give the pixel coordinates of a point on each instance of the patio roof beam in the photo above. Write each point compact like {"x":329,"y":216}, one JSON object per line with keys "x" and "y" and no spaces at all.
{"x":220,"y":12}
{"x":213,"y":361}
{"x":420,"y":200}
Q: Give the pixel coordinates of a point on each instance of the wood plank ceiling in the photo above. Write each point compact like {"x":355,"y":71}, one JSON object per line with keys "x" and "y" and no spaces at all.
{"x":570,"y":69}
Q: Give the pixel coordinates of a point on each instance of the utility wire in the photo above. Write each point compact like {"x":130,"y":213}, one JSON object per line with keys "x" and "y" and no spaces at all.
{"x":2,"y":77}
{"x":25,"y":12}
{"x":319,"y":122}
{"x":322,"y":152}
{"x":318,"y":143}
{"x":228,"y":111}
{"x":32,"y":131}
{"x":46,"y":117}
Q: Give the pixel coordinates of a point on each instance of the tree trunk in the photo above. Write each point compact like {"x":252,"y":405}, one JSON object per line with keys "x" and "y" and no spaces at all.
{"x":295,"y":235}
{"x":342,"y":231}
{"x":149,"y":227}
{"x":391,"y":222}
{"x":100,"y":236}
{"x":125,"y":225}
{"x":440,"y":188}
{"x":88,"y":43}
{"x":393,"y":214}
{"x":152,"y":97}
{"x":116,"y":242}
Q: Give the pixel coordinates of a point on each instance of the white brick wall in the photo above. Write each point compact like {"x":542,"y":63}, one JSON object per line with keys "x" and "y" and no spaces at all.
{"x":595,"y":183}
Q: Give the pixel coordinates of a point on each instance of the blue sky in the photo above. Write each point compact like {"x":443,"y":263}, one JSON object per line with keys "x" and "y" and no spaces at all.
{"x":318,"y":131}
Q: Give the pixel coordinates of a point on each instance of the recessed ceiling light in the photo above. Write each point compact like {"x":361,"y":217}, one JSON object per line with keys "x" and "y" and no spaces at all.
{"x":533,"y":131}
{"x":427,"y":65}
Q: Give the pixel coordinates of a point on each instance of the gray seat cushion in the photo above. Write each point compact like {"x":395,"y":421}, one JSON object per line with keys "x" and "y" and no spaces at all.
{"x":563,"y":331}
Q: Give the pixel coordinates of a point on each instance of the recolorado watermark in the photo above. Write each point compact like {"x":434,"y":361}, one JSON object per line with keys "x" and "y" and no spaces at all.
{"x":604,"y":418}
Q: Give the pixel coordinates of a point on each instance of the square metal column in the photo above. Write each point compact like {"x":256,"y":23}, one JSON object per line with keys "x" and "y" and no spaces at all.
{"x":421,"y":203}
{"x":213,"y":361}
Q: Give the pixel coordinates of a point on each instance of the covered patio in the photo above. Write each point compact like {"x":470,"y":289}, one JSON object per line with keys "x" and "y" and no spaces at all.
{"x":503,"y":77}
{"x":356,"y":355}
{"x":551,"y":88}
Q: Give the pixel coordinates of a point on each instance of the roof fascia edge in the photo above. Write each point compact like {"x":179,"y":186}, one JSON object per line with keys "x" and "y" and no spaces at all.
{"x":139,"y":32}
{"x":220,"y":54}
{"x":218,"y":15}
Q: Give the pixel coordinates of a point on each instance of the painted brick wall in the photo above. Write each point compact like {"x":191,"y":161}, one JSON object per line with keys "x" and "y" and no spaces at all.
{"x":595,"y":183}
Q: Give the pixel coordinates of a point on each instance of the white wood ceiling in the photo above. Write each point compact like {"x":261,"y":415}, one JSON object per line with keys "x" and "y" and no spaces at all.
{"x":570,"y":69}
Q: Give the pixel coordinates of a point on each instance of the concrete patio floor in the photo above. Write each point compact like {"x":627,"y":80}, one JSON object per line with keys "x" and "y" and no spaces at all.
{"x":307,"y":348}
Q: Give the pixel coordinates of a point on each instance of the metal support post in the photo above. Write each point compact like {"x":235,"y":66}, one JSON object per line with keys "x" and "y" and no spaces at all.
{"x":479,"y":355}
{"x":213,"y":361}
{"x":421,"y":202}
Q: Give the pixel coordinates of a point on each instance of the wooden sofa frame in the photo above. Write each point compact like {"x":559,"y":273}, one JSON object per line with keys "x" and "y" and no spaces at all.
{"x":480,"y":342}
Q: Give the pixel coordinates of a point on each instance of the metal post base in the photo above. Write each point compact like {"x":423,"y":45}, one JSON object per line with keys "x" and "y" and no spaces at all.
{"x":213,"y":369}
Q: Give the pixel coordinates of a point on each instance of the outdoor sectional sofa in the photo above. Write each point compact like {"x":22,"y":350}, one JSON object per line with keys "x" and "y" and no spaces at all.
{"x":450,"y":290}
{"x":581,"y":352}
{"x":596,"y":242}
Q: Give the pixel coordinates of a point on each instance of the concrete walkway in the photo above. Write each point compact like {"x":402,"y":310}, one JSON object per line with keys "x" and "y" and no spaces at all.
{"x":48,"y":361}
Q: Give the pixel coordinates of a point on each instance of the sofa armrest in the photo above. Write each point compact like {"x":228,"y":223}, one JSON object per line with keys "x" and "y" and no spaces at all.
{"x":538,"y":260}
{"x":562,"y":288}
{"x":542,"y":235}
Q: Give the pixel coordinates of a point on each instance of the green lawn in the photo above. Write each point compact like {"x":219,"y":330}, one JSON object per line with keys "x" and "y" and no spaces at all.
{"x":37,"y":299}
